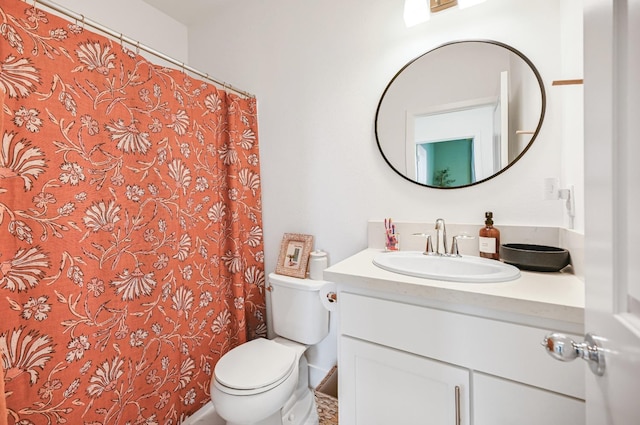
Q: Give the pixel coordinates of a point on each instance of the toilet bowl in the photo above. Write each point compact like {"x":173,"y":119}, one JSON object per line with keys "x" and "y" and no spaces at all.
{"x":254,"y":380}
{"x":266,"y":382}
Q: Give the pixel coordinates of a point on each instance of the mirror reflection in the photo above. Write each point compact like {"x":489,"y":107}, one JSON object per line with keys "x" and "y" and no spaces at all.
{"x":460,"y":114}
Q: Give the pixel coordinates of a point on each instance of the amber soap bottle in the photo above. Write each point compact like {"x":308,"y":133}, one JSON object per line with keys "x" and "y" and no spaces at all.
{"x":489,"y":239}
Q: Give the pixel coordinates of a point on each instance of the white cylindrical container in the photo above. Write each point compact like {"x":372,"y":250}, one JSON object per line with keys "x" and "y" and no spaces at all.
{"x":318,"y":261}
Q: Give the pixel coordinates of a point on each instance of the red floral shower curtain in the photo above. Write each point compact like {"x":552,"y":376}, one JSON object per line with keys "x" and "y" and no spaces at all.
{"x":131,"y":254}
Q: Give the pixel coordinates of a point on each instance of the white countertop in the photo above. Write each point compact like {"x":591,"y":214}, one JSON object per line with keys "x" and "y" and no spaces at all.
{"x":546,"y":296}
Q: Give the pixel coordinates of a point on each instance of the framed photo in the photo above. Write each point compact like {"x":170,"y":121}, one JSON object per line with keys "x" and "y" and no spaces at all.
{"x":294,"y":255}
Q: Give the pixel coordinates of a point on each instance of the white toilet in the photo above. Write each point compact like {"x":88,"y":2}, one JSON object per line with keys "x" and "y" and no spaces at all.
{"x":266,"y":382}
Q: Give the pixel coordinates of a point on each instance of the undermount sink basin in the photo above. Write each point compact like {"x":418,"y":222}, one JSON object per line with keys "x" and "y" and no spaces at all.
{"x":466,"y":269}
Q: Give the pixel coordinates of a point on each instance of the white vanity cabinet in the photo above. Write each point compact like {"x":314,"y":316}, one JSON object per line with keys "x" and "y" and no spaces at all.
{"x":385,"y":386}
{"x":500,"y":401}
{"x":404,"y":363}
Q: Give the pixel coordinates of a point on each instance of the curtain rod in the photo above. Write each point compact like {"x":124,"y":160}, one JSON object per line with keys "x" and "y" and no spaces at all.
{"x":124,"y":39}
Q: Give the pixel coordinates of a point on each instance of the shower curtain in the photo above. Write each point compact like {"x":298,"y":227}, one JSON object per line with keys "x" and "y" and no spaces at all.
{"x":131,"y":254}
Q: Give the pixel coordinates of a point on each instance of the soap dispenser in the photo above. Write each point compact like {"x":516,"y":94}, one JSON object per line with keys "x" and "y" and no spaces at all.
{"x":489,"y":238}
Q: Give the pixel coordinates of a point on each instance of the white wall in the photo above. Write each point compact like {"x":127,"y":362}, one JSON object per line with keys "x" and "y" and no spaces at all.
{"x":318,"y":70}
{"x":136,"y":20}
{"x":572,"y":117}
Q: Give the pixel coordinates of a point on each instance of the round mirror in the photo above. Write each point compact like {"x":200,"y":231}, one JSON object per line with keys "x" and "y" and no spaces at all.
{"x":460,"y":114}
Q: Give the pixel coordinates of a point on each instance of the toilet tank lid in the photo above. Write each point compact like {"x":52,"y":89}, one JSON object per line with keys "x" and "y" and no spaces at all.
{"x":255,"y":364}
{"x":294,"y":282}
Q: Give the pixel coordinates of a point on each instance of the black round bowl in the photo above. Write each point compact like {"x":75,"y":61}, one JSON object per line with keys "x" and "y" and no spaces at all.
{"x":540,"y":258}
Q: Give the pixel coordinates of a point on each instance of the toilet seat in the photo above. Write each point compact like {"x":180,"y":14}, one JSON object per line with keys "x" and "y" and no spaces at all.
{"x":254,"y":367}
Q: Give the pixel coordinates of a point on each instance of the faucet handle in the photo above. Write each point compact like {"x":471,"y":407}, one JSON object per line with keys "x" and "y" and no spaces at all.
{"x":428,"y":249}
{"x":454,"y":245}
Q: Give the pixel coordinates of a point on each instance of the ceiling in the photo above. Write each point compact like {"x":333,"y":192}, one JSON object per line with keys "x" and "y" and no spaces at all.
{"x":185,"y":11}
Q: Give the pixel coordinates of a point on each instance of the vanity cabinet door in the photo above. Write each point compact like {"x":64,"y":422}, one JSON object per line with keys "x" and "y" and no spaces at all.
{"x":500,"y":401}
{"x":383,"y":386}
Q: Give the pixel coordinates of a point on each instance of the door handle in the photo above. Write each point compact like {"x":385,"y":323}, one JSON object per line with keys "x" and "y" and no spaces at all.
{"x":563,"y":348}
{"x":457,"y":398}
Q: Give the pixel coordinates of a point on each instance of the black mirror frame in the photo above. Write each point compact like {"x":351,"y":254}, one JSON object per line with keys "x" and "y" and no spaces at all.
{"x":533,"y":137}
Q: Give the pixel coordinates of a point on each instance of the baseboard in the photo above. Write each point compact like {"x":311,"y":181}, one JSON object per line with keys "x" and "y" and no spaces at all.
{"x":316,"y":375}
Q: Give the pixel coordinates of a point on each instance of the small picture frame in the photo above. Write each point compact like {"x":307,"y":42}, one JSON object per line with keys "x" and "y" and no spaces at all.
{"x":294,"y":255}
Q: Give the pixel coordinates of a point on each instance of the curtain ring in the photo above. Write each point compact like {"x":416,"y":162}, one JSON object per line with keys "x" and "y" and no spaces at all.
{"x":121,"y":42}
{"x":82,"y":21}
{"x":138,"y":47}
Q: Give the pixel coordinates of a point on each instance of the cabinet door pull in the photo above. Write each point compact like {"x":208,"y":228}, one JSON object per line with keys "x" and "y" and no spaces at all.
{"x":457,"y":391}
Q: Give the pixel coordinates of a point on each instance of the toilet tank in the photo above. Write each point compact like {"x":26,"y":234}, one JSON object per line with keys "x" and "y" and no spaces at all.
{"x":296,"y":309}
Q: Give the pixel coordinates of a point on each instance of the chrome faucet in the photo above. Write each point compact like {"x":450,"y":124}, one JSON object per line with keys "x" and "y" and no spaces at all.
{"x":441,"y":229}
{"x":441,"y":235}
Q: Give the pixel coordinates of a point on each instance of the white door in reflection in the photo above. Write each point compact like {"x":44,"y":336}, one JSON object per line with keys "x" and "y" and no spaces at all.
{"x":460,"y":143}
{"x":457,"y":148}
